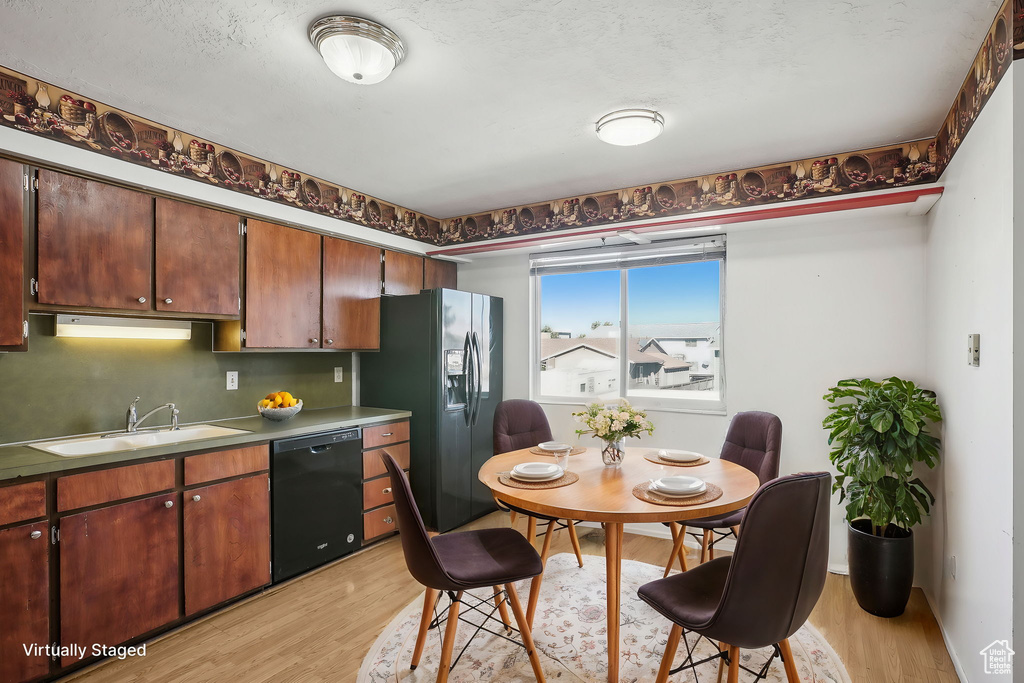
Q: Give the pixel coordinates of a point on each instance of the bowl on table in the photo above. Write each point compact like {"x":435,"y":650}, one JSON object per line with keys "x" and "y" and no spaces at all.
{"x":536,"y":471}
{"x":554,"y":446}
{"x":679,"y":486}
{"x":280,"y":414}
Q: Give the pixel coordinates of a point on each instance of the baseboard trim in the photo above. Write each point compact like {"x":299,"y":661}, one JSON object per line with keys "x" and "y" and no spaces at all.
{"x":945,"y":637}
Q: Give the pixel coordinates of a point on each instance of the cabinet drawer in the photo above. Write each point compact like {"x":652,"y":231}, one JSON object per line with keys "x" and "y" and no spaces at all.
{"x":373,"y":466}
{"x":377,"y":493}
{"x":379,"y":522}
{"x":21,"y":502}
{"x":382,"y":435}
{"x":223,"y":464}
{"x":105,"y":486}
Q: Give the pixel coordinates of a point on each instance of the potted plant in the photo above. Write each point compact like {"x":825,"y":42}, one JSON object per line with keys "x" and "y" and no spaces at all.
{"x":878,"y":432}
{"x":612,"y":424}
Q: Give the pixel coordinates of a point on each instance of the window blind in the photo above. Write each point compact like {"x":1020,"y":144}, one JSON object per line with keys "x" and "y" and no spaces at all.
{"x":664,"y":253}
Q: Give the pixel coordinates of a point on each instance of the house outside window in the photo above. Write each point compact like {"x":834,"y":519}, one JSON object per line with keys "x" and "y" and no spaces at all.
{"x":660,"y":303}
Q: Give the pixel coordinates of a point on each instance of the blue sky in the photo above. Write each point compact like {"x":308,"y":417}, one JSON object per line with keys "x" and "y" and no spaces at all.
{"x":682,"y":293}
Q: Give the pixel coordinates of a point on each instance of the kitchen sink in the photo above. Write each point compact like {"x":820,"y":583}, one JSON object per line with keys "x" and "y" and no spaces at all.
{"x":96,"y":445}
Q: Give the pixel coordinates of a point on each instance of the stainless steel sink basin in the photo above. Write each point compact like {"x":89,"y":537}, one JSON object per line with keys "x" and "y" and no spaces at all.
{"x":96,"y":445}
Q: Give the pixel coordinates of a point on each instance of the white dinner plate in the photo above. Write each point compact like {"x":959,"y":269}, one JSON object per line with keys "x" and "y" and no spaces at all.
{"x":680,"y":484}
{"x":553,"y":446}
{"x":672,"y":494}
{"x":556,"y":475}
{"x":672,"y":455}
{"x":535,"y":470}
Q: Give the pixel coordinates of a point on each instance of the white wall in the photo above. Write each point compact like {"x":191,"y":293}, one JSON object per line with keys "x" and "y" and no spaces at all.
{"x":842,"y":294}
{"x":970,"y":290}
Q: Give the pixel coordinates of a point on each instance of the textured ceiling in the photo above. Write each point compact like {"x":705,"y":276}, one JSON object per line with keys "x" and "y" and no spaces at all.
{"x":495,"y":103}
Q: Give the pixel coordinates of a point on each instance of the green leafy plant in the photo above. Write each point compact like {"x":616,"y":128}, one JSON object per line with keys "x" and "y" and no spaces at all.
{"x":878,"y":432}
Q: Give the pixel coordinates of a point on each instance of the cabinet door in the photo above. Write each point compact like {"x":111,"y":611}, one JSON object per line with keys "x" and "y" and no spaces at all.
{"x":119,"y":573}
{"x":282,"y":287}
{"x":197,"y":259}
{"x":403,"y":273}
{"x":12,"y":253}
{"x":227,"y":541}
{"x":95,"y":244}
{"x":24,"y":600}
{"x":437,"y":273}
{"x":351,"y":295}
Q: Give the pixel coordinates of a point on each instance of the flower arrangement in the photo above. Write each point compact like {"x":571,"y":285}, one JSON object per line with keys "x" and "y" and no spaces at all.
{"x":613,"y":423}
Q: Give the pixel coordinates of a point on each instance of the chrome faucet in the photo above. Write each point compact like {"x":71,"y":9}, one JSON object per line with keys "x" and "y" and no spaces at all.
{"x":132,"y":419}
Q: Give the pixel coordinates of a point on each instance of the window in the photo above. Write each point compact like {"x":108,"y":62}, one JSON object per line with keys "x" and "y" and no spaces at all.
{"x":660,"y":303}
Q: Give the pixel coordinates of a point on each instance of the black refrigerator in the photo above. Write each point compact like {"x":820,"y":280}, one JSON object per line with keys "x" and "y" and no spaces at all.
{"x":441,"y":358}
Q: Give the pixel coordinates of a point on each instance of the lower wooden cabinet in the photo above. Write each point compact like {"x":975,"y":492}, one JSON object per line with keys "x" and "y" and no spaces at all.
{"x":119,"y":572}
{"x":24,"y":601}
{"x":227,"y":541}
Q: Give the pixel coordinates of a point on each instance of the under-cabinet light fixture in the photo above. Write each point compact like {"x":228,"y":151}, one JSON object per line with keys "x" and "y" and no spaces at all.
{"x":98,"y":327}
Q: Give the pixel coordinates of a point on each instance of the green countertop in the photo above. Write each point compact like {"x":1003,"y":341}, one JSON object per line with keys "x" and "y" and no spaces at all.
{"x":22,"y":460}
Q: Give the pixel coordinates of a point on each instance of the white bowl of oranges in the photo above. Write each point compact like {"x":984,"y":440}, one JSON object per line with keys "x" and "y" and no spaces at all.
{"x":279,"y":405}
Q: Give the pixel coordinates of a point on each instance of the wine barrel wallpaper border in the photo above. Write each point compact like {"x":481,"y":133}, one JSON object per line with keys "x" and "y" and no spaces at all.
{"x":43,"y":109}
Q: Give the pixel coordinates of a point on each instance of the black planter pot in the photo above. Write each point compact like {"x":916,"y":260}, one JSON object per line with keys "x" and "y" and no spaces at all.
{"x":881,"y":568}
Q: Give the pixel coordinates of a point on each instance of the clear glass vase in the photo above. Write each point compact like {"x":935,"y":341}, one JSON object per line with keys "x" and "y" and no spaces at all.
{"x":613,"y":452}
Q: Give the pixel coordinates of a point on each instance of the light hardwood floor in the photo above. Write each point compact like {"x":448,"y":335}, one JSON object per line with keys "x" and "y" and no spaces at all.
{"x":319,"y":627}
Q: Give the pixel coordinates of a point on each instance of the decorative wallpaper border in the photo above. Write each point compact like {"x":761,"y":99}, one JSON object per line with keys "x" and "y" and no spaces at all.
{"x":43,"y":109}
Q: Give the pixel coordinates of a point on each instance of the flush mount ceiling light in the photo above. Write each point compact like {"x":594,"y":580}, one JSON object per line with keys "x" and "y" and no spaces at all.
{"x":630,"y":126}
{"x":357,"y":50}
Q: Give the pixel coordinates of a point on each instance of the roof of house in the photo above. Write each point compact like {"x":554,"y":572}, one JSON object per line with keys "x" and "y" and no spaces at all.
{"x":608,"y":346}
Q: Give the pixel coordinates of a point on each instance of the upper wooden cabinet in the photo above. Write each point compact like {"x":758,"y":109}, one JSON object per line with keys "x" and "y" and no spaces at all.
{"x":282,"y":287}
{"x":197,"y":259}
{"x":94,"y":244}
{"x":12,"y":250}
{"x":351,"y":301}
{"x":403,"y":273}
{"x":437,"y":273}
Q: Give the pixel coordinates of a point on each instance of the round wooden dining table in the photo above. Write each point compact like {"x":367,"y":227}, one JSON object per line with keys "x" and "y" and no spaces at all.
{"x":605,"y":494}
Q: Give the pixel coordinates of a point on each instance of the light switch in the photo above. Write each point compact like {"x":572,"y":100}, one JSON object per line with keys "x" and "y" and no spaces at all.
{"x":232,"y":380}
{"x":974,"y":349}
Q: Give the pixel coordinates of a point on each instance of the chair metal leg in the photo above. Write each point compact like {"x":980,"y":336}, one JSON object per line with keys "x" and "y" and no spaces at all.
{"x":448,"y":644}
{"x":525,"y":631}
{"x":575,"y":541}
{"x":670,"y":653}
{"x":429,"y":598}
{"x":677,"y":548}
{"x":499,"y":601}
{"x":547,"y":543}
{"x":787,"y":661}
{"x":734,"y":664}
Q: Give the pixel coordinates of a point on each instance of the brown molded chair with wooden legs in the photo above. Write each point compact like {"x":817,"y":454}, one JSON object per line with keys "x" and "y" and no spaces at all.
{"x":754,"y":440}
{"x":765,"y":591}
{"x":460,"y":561}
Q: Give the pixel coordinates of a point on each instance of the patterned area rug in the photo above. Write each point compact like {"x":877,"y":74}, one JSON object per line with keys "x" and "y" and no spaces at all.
{"x":570,"y":629}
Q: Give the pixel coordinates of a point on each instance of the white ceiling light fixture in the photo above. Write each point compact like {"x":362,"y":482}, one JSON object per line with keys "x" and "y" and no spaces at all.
{"x":630,"y":126}
{"x":357,"y":50}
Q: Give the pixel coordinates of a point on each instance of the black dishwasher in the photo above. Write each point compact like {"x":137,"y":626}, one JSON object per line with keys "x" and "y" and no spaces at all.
{"x":316,"y":500}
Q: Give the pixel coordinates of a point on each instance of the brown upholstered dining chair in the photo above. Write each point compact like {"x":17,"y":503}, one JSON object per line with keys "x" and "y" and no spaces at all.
{"x":519,"y":423}
{"x":765,"y":591}
{"x":754,"y":440}
{"x":456,"y":562}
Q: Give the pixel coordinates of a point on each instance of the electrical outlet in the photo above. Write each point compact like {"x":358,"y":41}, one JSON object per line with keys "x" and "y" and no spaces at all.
{"x":339,"y":374}
{"x":232,"y":380}
{"x":974,"y":350}
{"x":951,"y":565}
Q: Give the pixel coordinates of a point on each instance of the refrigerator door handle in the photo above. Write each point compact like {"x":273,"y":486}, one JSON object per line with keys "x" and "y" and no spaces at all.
{"x":478,"y":376}
{"x":467,"y":355}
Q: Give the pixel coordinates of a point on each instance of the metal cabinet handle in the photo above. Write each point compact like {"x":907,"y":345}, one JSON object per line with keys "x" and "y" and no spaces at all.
{"x":142,"y":299}
{"x":386,"y":491}
{"x":388,"y":520}
{"x":168,"y":301}
{"x":330,"y":341}
{"x":36,"y":534}
{"x":314,"y":340}
{"x":169,"y":504}
{"x":197,"y":498}
{"x":388,"y":434}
